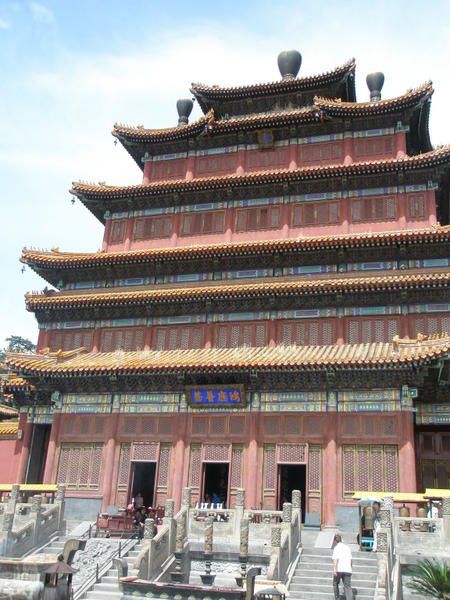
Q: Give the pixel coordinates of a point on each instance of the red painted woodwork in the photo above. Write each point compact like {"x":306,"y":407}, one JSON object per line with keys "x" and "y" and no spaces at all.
{"x":178,"y":337}
{"x":117,"y":234}
{"x":306,"y":332}
{"x":202,"y":223}
{"x":127,"y":339}
{"x":150,"y":228}
{"x":362,"y":330}
{"x":70,"y":339}
{"x":416,"y":206}
{"x":235,"y":335}
{"x":430,"y":324}
{"x":376,"y":208}
{"x":168,"y":169}
{"x":325,"y":153}
{"x":374,"y":148}
{"x":258,"y":218}
{"x":216,"y":164}
{"x":308,"y":214}
{"x":260,"y":160}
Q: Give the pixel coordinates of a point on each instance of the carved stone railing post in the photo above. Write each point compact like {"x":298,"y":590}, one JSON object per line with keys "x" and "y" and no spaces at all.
{"x":297,"y":512}
{"x":13,"y":498}
{"x":35,"y":515}
{"x":178,"y":576}
{"x":60,"y":499}
{"x":207,"y":577}
{"x":8,"y":521}
{"x":149,"y":529}
{"x":287,"y":513}
{"x":445,"y":511}
{"x":186,"y":497}
{"x":382,"y":541}
{"x":388,"y":502}
{"x":446,"y":507}
{"x":385,"y":518}
{"x":275,"y":552}
{"x":275,"y":536}
{"x":239,"y":503}
{"x":243,"y":549}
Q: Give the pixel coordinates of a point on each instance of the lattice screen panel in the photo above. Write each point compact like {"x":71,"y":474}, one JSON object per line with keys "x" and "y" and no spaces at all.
{"x":314,"y":479}
{"x":123,"y":476}
{"x":270,"y":477}
{"x":237,"y":454}
{"x":292,"y":453}
{"x":369,"y":468}
{"x":195,"y":471}
{"x":145,"y":452}
{"x":80,"y":466}
{"x":216,"y":452}
{"x":163,"y":473}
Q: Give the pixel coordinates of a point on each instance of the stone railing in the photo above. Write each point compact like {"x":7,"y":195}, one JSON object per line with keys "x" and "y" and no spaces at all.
{"x":414,"y":534}
{"x":159,"y":548}
{"x":27,"y":525}
{"x":225,"y":521}
{"x":285,"y":540}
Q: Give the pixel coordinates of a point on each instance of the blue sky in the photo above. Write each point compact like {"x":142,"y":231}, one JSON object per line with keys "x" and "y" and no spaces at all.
{"x":70,"y":69}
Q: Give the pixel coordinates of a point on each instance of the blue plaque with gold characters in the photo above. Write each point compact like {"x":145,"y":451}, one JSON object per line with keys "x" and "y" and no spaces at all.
{"x":216,"y":396}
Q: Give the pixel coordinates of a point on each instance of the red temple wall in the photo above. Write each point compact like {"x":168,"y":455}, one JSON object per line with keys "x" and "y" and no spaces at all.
{"x":352,"y":215}
{"x":12,"y":460}
{"x":342,"y":452}
{"x":291,"y":155}
{"x":324,"y":331}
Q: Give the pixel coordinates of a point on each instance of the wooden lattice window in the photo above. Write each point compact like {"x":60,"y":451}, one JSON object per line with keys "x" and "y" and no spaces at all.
{"x":257,"y":218}
{"x":202,"y":223}
{"x":69,"y":340}
{"x":371,"y":329}
{"x":152,"y":228}
{"x":181,"y":337}
{"x":321,"y":153}
{"x":80,"y":465}
{"x":306,"y":333}
{"x":416,"y":206}
{"x":117,"y":234}
{"x":315,"y":213}
{"x":382,"y":208}
{"x":369,"y":468}
{"x":128,"y":339}
{"x":236,"y":335}
{"x":431,"y":324}
{"x":381,"y":145}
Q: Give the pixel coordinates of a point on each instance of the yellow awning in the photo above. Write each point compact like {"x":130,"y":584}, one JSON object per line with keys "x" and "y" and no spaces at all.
{"x":398,"y":496}
{"x":38,"y":488}
{"x":436,"y":493}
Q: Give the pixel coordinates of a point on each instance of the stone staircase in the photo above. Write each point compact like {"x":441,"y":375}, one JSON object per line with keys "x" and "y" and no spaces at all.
{"x":56,"y":546}
{"x":108,"y":587}
{"x":313,"y":577}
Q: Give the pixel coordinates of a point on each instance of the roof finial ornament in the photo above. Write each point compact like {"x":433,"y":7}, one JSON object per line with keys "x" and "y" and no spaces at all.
{"x":375,"y":82}
{"x":184,"y":108}
{"x":289,"y":63}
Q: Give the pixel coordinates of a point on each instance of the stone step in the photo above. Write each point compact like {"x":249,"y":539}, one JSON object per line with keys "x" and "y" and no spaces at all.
{"x":310,"y":558}
{"x":327,"y":596}
{"x":93,"y":595}
{"x":356,"y":578}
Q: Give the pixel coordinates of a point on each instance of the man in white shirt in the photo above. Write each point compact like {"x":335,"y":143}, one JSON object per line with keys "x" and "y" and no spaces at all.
{"x":342,"y":567}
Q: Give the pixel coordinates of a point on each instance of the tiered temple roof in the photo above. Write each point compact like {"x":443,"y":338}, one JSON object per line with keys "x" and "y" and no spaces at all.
{"x":92,"y":195}
{"x":48,"y":262}
{"x":399,"y":353}
{"x":220,"y":291}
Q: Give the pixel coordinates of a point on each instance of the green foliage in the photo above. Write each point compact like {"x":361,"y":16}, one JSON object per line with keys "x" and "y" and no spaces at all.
{"x":431,"y":578}
{"x":16,"y":343}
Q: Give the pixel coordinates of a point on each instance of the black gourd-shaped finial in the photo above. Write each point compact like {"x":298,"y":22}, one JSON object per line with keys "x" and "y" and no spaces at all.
{"x":289,"y":63}
{"x":375,"y":82}
{"x":184,"y":108}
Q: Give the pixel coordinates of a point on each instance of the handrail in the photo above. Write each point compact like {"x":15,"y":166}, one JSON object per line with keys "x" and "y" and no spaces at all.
{"x":101,"y":571}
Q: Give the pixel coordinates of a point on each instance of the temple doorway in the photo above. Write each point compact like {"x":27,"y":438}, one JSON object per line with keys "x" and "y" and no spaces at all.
{"x":215,"y":482}
{"x":291,"y":477}
{"x":38,"y":453}
{"x":143,"y":481}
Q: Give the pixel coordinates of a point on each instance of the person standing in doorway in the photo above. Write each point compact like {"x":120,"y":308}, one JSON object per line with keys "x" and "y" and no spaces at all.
{"x":342,"y":567}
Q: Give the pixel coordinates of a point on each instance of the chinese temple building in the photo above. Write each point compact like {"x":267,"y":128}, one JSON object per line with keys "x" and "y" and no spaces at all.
{"x":270,"y":309}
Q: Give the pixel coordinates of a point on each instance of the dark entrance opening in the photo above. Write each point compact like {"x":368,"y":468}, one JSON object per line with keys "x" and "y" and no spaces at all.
{"x":144,"y":481}
{"x":38,"y":453}
{"x":215,"y":482}
{"x":291,"y":477}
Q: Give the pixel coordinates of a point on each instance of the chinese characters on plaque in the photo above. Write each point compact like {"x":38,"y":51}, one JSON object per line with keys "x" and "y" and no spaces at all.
{"x":231,"y":396}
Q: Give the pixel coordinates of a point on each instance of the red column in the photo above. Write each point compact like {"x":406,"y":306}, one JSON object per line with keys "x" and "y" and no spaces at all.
{"x":241,"y":162}
{"x":272,"y":332}
{"x":431,"y":206}
{"x":345,"y":214}
{"x":229,"y":224}
{"x":330,"y":466}
{"x":400,"y":144}
{"x":190,"y":166}
{"x":148,"y":168}
{"x":293,"y":148}
{"x":401,"y":210}
{"x":25,"y":453}
{"x":178,"y":464}
{"x":106,"y":234}
{"x":96,"y":341}
{"x":252,"y":468}
{"x":51,"y":450}
{"x":209,"y":341}
{"x":407,"y":455}
{"x":403,"y":328}
{"x":42,"y":339}
{"x":348,"y":148}
{"x":148,"y":338}
{"x":176,"y":229}
{"x":285,"y":219}
{"x":109,"y":461}
{"x":340,"y":330}
{"x":129,"y":233}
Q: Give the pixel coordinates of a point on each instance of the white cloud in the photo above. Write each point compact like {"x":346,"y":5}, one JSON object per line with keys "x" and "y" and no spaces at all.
{"x":4,"y":24}
{"x":41,"y":13}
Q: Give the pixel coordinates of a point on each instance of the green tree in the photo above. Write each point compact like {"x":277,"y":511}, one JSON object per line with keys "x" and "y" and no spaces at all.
{"x":431,"y":578}
{"x":16,"y":343}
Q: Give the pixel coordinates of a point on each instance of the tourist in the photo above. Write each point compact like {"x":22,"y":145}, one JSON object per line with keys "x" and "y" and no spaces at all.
{"x":376,"y":520}
{"x":433,"y":510}
{"x":342,"y":567}
{"x":139,"y":521}
{"x":216,"y":500}
{"x":139,"y":501}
